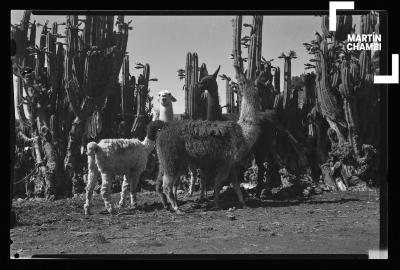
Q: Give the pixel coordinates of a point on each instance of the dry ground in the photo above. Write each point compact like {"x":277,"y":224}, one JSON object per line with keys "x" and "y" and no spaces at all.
{"x":329,"y":223}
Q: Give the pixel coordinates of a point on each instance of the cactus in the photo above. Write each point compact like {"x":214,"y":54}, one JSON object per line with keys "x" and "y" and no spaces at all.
{"x":287,"y":75}
{"x":71,"y":98}
{"x":187,"y":81}
{"x":195,"y":107}
{"x":229,"y":94}
{"x":345,"y":78}
{"x":343,"y":27}
{"x":90,"y":83}
{"x":254,"y":53}
{"x":277,"y":80}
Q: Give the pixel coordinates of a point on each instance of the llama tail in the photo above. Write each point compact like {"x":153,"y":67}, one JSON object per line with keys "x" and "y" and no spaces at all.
{"x":92,"y":148}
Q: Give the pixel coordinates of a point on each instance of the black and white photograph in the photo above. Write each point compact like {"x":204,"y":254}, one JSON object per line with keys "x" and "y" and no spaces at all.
{"x":185,"y":134}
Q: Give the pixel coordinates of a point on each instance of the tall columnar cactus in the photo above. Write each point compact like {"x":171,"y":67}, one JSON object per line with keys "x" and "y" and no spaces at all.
{"x":36,"y":98}
{"x":195,"y":107}
{"x":348,"y":73}
{"x":194,"y":96}
{"x":125,"y":87}
{"x":287,"y":75}
{"x":369,"y":96}
{"x":277,"y":80}
{"x":203,"y":102}
{"x":343,"y":27}
{"x":230,"y":99}
{"x":187,"y":81}
{"x":254,"y":57}
{"x":90,"y":83}
{"x":254,"y":51}
{"x":65,"y":87}
{"x":142,"y":91}
{"x":20,"y":34}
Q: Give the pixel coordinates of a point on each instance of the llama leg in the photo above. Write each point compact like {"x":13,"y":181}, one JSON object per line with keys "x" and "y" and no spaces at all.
{"x":159,"y":189}
{"x":236,"y":186}
{"x":124,"y":190}
{"x":134,"y":181}
{"x":93,"y":175}
{"x":192,"y":182}
{"x":168,"y":184}
{"x":107,"y":179}
{"x":260,"y":175}
{"x":176,"y":184}
{"x":218,"y":184}
{"x":202,"y":186}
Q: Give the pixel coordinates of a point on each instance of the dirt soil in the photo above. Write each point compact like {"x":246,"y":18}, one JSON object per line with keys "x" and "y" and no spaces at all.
{"x":329,"y":223}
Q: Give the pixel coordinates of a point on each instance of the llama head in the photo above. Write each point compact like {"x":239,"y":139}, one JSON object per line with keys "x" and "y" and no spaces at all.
{"x":209,"y":83}
{"x":166,"y":98}
{"x":153,"y":127}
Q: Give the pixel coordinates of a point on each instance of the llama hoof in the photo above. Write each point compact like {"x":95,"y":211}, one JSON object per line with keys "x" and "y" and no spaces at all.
{"x":179,"y":212}
{"x":133,"y":207}
{"x":87,"y":210}
{"x":111,"y":210}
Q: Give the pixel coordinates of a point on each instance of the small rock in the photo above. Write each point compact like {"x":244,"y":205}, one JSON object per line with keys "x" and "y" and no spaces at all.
{"x":231,"y":209}
{"x":277,"y":224}
{"x":231,"y":217}
{"x":20,"y":200}
{"x":100,"y":239}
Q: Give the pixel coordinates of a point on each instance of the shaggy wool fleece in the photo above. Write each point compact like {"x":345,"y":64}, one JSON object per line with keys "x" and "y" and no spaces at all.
{"x":205,"y":144}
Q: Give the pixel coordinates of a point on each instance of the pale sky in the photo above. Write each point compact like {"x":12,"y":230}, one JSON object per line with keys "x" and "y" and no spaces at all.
{"x":164,"y":41}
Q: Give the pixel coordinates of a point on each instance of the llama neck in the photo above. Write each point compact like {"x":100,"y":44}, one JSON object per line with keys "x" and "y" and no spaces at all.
{"x":166,"y":113}
{"x":213,"y":108}
{"x":250,"y":105}
{"x":148,"y":144}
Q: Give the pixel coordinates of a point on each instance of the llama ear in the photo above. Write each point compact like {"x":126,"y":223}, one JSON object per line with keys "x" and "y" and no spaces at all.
{"x":173,"y":99}
{"x":216,"y":72}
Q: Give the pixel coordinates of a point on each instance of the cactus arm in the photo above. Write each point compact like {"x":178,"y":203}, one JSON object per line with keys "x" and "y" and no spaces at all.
{"x":237,"y":51}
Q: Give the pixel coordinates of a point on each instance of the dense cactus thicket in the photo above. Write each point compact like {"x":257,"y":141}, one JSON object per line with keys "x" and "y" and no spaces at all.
{"x":347,"y":99}
{"x":68,"y":93}
{"x":333,"y":112}
{"x":74,"y":85}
